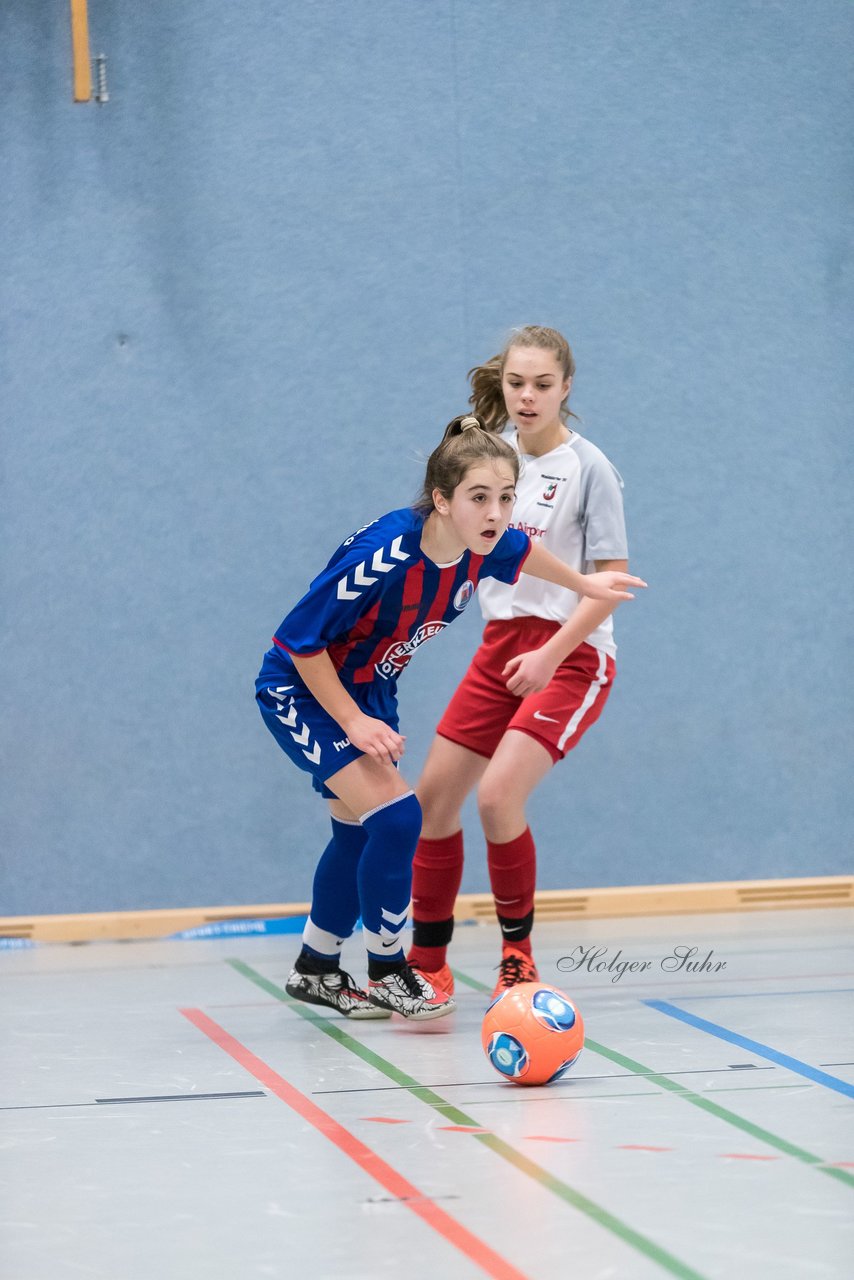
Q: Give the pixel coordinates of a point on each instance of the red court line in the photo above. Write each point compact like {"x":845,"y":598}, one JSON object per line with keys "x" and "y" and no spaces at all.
{"x":398,"y":1186}
{"x":546,"y":1137}
{"x":636,"y":1146}
{"x":462,"y":1128}
{"x":738,"y":1155}
{"x":623,"y":1146}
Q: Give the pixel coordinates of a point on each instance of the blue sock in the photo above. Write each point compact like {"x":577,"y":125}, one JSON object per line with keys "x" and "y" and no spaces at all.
{"x":335,"y":892}
{"x":385,"y":875}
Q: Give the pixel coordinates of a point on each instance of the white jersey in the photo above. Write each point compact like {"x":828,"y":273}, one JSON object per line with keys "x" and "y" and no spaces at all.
{"x":571,"y":501}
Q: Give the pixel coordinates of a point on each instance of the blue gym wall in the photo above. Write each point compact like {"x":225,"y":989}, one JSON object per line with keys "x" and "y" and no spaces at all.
{"x":238,"y":304}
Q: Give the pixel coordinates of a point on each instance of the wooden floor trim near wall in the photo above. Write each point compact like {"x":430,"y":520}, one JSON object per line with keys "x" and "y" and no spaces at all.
{"x":551,"y":904}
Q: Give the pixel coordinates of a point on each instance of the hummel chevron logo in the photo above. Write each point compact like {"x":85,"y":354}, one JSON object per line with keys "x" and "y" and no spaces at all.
{"x":379,"y":565}
{"x":290,"y":721}
{"x":362,"y":579}
{"x":397,"y":921}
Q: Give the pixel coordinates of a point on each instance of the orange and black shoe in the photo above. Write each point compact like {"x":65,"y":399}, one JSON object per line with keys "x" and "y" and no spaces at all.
{"x":516,"y":966}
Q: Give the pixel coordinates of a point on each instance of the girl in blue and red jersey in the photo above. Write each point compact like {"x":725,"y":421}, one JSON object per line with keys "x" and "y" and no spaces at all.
{"x":327,"y":691}
{"x":544,"y":669}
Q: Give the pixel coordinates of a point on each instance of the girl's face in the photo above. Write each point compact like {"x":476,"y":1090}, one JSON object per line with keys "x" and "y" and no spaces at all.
{"x":481,"y":505}
{"x":534,"y":389}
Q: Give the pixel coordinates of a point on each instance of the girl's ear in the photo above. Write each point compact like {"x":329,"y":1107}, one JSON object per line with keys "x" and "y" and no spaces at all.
{"x":567,"y":388}
{"x":440,"y":502}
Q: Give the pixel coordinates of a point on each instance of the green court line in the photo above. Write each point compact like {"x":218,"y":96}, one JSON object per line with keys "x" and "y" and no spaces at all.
{"x":468,"y":982}
{"x":713,"y":1108}
{"x":447,"y":1110}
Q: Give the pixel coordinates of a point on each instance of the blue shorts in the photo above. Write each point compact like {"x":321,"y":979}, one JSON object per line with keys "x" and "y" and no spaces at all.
{"x":309,"y":736}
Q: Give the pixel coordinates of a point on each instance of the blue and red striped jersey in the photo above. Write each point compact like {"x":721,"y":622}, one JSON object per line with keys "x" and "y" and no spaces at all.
{"x":379,"y":598}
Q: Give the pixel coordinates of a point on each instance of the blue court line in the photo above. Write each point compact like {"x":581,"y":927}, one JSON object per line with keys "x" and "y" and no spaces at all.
{"x":761,"y":1050}
{"x":753,"y":995}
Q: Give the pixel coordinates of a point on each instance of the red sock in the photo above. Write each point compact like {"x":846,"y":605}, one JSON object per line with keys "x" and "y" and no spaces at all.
{"x":513,"y":875}
{"x":437,"y":873}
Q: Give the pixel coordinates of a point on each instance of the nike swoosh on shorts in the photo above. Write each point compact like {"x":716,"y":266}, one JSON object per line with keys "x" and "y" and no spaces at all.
{"x":538,"y":715}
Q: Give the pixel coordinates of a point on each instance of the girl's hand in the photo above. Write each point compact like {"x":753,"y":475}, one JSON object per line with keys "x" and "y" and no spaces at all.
{"x":610,"y":585}
{"x":375,"y":738}
{"x":529,"y":672}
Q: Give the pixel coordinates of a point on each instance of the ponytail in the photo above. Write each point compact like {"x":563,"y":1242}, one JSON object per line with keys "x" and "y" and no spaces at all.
{"x":487,"y":395}
{"x":464,"y":422}
{"x":466,"y":441}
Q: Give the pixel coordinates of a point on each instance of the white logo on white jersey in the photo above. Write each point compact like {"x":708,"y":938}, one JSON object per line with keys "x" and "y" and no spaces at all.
{"x":362,"y":579}
{"x":398,"y":654}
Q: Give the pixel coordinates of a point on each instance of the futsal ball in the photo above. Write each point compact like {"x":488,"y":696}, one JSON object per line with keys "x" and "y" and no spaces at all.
{"x":532,"y":1033}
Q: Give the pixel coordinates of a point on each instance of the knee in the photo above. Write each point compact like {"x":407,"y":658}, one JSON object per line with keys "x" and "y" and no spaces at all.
{"x":441,"y":807}
{"x":501,"y":807}
{"x":492,"y":801}
{"x":429,"y":791}
{"x":397,"y":823}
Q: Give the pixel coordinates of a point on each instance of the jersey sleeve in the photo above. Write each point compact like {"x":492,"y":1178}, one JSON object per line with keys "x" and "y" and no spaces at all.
{"x":506,"y":561}
{"x":602,"y":517}
{"x":351,"y":584}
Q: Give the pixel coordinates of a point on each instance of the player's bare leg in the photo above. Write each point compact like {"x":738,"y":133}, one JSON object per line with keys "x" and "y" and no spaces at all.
{"x":451,"y":772}
{"x":517,"y":768}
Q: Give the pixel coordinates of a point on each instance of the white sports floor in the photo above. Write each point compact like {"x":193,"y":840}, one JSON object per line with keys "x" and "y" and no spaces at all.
{"x":166,"y":1112}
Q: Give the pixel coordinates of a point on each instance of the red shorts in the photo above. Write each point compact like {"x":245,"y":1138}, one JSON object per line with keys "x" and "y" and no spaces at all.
{"x":483,"y":709}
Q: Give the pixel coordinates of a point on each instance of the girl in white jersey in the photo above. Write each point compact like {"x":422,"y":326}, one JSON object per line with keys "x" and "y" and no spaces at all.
{"x":545,"y":666}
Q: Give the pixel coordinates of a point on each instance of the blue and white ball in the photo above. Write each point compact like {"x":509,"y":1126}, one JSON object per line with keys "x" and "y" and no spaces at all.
{"x":507,"y":1055}
{"x":553,"y":1009}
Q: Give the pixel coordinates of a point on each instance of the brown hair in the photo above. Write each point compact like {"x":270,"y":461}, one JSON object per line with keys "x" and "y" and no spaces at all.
{"x":467,"y":441}
{"x":486,"y":379}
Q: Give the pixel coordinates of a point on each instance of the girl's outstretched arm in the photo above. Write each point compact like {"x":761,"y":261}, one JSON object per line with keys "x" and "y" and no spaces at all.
{"x":608,"y":585}
{"x":372,"y":736}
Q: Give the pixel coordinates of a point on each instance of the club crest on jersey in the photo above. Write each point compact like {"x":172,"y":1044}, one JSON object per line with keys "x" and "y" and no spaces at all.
{"x":464,"y":594}
{"x":398,"y":654}
{"x":550,"y":491}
